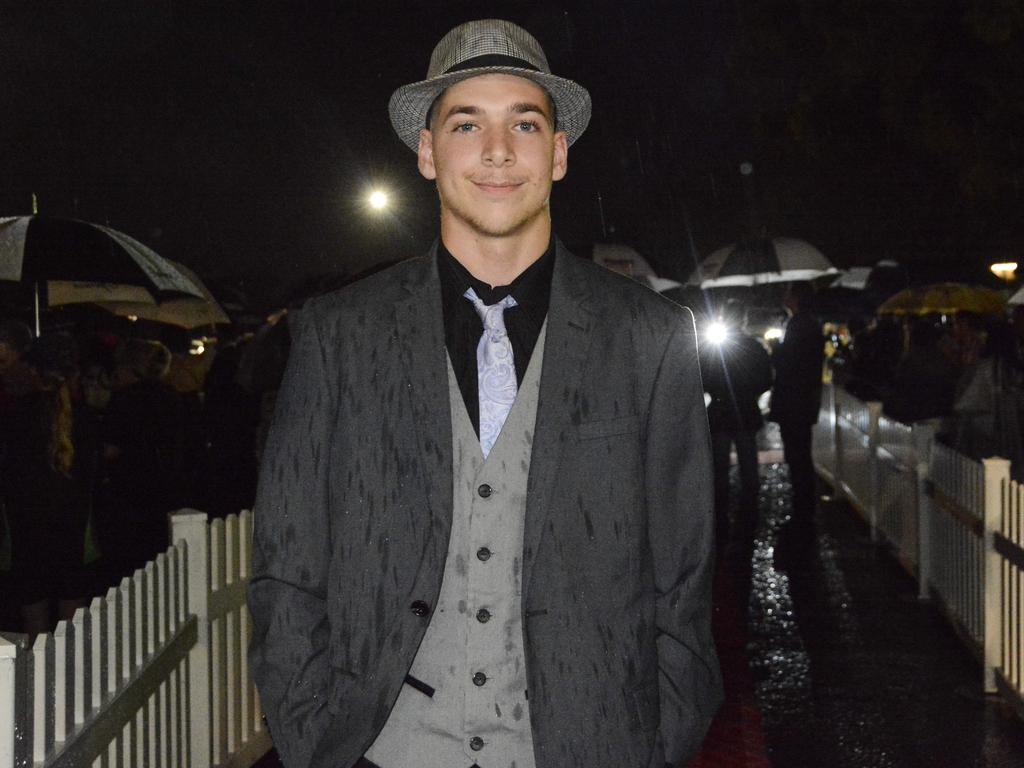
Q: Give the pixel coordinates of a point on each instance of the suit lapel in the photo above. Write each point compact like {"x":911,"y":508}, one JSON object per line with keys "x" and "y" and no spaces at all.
{"x":420,"y":324}
{"x":565,"y":355}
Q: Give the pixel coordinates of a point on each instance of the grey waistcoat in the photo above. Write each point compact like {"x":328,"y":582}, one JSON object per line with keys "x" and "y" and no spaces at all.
{"x":472,"y":654}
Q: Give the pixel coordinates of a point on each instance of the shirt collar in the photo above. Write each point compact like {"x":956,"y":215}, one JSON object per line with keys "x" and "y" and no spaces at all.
{"x":531,"y":288}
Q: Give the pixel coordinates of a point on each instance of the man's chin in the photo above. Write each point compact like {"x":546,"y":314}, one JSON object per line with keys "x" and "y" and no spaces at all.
{"x":499,"y":226}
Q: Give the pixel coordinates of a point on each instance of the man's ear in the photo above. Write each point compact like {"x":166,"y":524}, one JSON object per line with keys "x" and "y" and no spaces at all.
{"x":561,"y":157}
{"x":425,"y":155}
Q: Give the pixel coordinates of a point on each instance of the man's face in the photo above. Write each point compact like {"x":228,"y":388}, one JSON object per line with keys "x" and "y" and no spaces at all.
{"x":493,"y":152}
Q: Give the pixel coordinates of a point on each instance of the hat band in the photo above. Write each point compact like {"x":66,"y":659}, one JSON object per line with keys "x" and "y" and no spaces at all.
{"x":491,"y":60}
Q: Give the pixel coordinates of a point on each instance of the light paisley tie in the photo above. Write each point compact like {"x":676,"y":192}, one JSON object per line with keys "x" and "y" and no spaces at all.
{"x":496,"y":371}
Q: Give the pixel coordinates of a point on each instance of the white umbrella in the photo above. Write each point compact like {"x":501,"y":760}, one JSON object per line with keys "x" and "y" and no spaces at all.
{"x":62,"y":292}
{"x":660,"y":284}
{"x":623,"y":259}
{"x":855,"y":278}
{"x":774,"y":260}
{"x":132,"y":301}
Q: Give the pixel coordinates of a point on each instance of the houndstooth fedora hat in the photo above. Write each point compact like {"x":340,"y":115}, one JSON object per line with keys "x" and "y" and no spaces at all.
{"x":484,"y":47}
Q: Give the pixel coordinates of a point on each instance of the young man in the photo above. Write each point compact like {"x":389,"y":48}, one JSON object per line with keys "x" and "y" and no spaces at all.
{"x":484,"y":521}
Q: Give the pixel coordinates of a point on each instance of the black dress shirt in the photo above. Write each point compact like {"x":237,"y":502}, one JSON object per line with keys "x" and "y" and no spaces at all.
{"x":463,"y":326}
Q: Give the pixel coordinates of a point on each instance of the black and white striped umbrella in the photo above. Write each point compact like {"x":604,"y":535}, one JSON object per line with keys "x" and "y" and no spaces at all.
{"x":34,"y":249}
{"x":38,"y":250}
{"x":756,"y":262}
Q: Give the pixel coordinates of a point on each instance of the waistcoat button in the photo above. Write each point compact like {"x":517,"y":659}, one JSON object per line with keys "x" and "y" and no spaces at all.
{"x":484,"y":491}
{"x":479,"y":679}
{"x":483,"y":554}
{"x":419,"y":608}
{"x":476,"y":743}
{"x":483,"y":615}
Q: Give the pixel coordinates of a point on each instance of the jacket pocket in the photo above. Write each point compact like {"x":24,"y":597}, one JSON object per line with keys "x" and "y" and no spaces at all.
{"x":341,"y":682}
{"x":620,"y":425}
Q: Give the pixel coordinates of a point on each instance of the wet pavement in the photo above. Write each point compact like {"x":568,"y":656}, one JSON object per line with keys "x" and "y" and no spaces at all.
{"x":849,"y":668}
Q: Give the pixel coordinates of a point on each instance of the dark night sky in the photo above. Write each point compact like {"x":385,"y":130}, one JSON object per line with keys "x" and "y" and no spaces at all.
{"x":240,"y":138}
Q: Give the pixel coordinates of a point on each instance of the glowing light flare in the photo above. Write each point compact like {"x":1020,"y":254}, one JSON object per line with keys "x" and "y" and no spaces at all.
{"x":716,"y":333}
{"x":773,"y":334}
{"x":1004,"y":269}
{"x":378,"y":200}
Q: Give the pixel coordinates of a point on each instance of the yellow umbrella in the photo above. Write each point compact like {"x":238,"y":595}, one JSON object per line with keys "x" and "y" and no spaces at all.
{"x":944,"y":299}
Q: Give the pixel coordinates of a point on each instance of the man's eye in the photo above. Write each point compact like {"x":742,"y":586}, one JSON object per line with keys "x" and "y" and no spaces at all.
{"x":527,"y":126}
{"x":463,"y":128}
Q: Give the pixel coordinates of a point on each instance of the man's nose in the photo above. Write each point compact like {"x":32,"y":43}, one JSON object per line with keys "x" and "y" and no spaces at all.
{"x":498,"y":149}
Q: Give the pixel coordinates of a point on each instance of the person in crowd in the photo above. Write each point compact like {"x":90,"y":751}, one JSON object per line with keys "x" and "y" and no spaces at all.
{"x":230,"y":418}
{"x":876,"y":351}
{"x":795,"y":401}
{"x":484,"y":524}
{"x":923,"y":387}
{"x":985,"y":419}
{"x":17,"y":378}
{"x":260,"y":370}
{"x":143,"y":438}
{"x":1015,"y":346}
{"x":44,"y":489}
{"x":736,"y":371}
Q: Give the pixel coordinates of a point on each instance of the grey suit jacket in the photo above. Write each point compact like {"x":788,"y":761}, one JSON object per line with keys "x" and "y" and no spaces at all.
{"x":354,"y":511}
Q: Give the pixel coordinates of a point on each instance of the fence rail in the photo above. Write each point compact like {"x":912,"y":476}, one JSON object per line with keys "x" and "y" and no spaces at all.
{"x":1006,"y":560}
{"x":957,"y":525}
{"x":151,"y":674}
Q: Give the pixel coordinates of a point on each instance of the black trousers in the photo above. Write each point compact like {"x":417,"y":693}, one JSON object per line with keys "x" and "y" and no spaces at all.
{"x":796,"y":447}
{"x":750,"y":481}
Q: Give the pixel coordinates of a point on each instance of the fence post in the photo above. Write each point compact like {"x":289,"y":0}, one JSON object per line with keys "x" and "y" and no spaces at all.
{"x":837,"y":475}
{"x":833,"y":433}
{"x":923,"y":434}
{"x":8,"y":662}
{"x":190,"y":526}
{"x":997,"y":478}
{"x":874,"y":481}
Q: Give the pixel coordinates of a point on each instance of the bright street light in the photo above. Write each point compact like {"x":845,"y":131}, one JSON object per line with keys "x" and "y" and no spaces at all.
{"x":1004,"y":270}
{"x":378,"y":200}
{"x":717,"y":332}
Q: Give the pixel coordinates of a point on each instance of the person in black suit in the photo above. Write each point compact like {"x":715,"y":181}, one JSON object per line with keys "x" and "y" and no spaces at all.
{"x":433,"y":585}
{"x":736,"y":371}
{"x":796,"y":399}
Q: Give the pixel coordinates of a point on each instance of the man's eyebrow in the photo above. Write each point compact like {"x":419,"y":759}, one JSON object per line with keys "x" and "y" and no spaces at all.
{"x":462,"y":110}
{"x":521,"y":107}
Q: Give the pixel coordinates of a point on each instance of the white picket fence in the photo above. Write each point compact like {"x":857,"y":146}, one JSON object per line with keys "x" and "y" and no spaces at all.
{"x":152,"y":674}
{"x":955,"y":524}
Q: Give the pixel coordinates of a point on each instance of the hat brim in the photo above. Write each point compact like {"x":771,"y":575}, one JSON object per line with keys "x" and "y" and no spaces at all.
{"x":409,"y":104}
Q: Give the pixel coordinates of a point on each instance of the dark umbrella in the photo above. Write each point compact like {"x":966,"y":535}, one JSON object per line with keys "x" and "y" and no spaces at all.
{"x":34,"y":249}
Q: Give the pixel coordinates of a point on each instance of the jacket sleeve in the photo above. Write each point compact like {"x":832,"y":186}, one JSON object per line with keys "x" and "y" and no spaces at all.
{"x":681,"y":532}
{"x":291,"y":554}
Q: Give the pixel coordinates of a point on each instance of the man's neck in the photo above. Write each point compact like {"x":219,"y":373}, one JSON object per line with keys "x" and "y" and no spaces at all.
{"x":496,"y":260}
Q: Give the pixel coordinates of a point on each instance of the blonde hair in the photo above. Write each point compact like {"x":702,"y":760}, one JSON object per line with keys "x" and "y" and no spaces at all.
{"x":53,"y":357}
{"x":62,"y":449}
